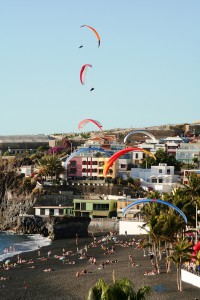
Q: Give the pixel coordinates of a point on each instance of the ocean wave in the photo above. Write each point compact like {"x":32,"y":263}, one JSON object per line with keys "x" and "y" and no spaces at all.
{"x":12,"y":244}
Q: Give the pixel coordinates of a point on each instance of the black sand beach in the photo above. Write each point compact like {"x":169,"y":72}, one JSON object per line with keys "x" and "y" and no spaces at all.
{"x":28,"y":280}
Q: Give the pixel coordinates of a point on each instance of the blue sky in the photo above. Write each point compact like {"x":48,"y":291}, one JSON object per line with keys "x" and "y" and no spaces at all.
{"x":146,"y":71}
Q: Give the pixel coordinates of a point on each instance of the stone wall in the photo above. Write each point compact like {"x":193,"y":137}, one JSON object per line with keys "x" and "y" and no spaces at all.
{"x":103,"y":226}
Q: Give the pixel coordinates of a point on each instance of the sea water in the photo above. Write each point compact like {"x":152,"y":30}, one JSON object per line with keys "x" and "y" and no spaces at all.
{"x":12,"y":244}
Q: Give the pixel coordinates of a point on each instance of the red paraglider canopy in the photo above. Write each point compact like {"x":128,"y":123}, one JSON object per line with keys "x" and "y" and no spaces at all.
{"x":196,"y":247}
{"x":83,"y":72}
{"x":84,"y":122}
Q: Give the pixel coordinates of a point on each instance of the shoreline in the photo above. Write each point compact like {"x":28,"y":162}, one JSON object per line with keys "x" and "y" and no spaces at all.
{"x":27,"y":282}
{"x":30,"y":243}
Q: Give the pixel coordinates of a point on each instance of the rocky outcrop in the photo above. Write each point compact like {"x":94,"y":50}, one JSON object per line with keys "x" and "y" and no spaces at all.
{"x":54,"y":227}
{"x":12,"y":206}
{"x":16,"y":213}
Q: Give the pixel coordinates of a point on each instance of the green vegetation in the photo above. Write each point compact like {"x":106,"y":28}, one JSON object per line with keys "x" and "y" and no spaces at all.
{"x":122,"y":289}
{"x":161,"y":157}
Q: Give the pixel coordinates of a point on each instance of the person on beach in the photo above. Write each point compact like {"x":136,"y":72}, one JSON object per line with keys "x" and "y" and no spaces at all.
{"x":49,"y":254}
{"x":130,"y":258}
{"x":77,"y":239}
{"x":39,"y":253}
{"x":151,"y":258}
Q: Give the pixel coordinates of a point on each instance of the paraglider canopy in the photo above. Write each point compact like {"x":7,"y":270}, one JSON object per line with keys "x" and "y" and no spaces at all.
{"x":155,"y":201}
{"x":119,"y":153}
{"x":139,"y":131}
{"x":86,"y":121}
{"x":94,"y":31}
{"x":83,"y":72}
{"x":196,"y":247}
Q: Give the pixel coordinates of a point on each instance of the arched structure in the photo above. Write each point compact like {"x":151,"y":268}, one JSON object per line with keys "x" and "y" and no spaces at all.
{"x":139,"y":131}
{"x":137,"y":202}
{"x":119,"y":153}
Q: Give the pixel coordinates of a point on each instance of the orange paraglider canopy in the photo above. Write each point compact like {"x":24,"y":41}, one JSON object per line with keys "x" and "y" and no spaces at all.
{"x":95,"y":32}
{"x":119,"y":153}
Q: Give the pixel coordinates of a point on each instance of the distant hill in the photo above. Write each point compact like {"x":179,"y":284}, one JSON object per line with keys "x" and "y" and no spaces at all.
{"x":159,"y":131}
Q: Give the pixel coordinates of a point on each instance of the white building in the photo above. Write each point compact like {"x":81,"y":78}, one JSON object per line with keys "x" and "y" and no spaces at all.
{"x":152,"y":147}
{"x":187,"y":152}
{"x":160,"y":178}
{"x":26,"y":170}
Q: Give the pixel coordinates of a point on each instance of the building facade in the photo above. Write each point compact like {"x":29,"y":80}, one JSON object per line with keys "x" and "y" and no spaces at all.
{"x":95,"y":208}
{"x":160,"y":178}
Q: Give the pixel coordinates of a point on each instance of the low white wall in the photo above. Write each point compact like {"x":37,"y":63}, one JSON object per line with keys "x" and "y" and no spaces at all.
{"x":190,"y":278}
{"x":131,"y":227}
{"x":105,"y":225}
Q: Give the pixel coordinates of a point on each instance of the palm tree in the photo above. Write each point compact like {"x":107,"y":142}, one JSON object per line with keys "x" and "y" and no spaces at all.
{"x":51,"y":166}
{"x":192,"y":189}
{"x":172,"y":226}
{"x":120,"y":289}
{"x":182,"y":252}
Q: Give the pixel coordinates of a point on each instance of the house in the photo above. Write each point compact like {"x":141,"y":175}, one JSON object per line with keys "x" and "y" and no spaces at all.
{"x":160,"y":178}
{"x":133,"y":213}
{"x":57,"y":210}
{"x":186,"y":173}
{"x":54,"y":205}
{"x":27,"y":170}
{"x":187,"y":152}
{"x":106,"y":207}
{"x":89,"y":166}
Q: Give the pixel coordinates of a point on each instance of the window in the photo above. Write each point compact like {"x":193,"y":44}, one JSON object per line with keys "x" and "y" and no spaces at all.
{"x":100,"y":206}
{"x":61,"y":211}
{"x":168,"y":171}
{"x":72,"y":163}
{"x":160,"y":170}
{"x":84,"y":162}
{"x":136,"y":155}
{"x":160,"y":180}
{"x":83,"y":206}
{"x":101,"y":163}
{"x":42,"y":211}
{"x":51,"y":211}
{"x":77,"y":206}
{"x":72,"y":171}
{"x":123,"y":166}
{"x":154,"y":180}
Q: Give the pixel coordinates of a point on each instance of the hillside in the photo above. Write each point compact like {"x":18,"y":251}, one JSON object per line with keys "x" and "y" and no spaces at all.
{"x":161,"y":131}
